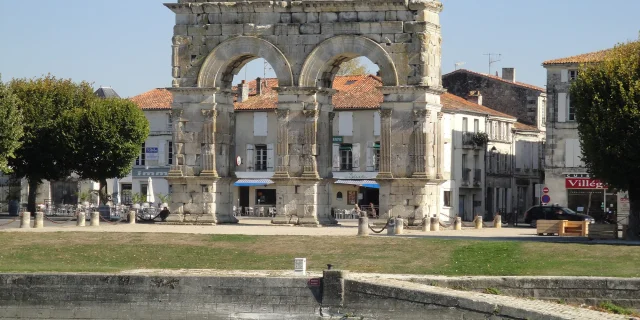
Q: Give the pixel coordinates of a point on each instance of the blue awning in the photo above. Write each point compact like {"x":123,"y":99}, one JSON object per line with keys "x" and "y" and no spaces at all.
{"x":362,"y":183}
{"x":252,"y":182}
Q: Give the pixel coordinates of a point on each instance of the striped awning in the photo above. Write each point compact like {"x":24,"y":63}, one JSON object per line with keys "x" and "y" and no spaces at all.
{"x":252,"y":182}
{"x":361,"y":183}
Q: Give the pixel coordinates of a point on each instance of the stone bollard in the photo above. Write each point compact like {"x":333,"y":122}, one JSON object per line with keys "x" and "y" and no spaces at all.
{"x":457,"y":224}
{"x":426,"y":224}
{"x":95,"y":219}
{"x":80,"y":222}
{"x":435,"y":224}
{"x":132,"y":217}
{"x":363,"y":227}
{"x":391,"y":227}
{"x":39,"y":220}
{"x":399,"y":226}
{"x":478,"y":222}
{"x":497,"y":222}
{"x":25,"y":221}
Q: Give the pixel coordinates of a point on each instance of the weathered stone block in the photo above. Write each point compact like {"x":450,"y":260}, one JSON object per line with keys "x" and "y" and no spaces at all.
{"x":348,"y":16}
{"x":392,"y":27}
{"x":213,"y":30}
{"x":232,"y":29}
{"x":313,"y":17}
{"x":299,"y":17}
{"x":310,"y":28}
{"x":251,"y":29}
{"x":286,"y":18}
{"x":328,"y":17}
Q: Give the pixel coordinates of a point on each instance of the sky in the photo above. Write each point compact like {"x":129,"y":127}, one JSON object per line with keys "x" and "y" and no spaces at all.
{"x":126,"y":44}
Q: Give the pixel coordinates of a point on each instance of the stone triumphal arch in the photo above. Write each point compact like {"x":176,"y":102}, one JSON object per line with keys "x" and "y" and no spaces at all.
{"x":305,"y":42}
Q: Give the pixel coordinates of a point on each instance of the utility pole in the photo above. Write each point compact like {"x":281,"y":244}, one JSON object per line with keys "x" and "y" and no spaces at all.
{"x":493,"y":58}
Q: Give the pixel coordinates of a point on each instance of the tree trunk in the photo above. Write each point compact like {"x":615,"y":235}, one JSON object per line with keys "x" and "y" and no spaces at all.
{"x":633,"y":230}
{"x":33,"y":193}
{"x":102,"y":192}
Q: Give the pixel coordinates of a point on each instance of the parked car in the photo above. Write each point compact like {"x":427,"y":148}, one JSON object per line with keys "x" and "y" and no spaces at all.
{"x":536,"y":213}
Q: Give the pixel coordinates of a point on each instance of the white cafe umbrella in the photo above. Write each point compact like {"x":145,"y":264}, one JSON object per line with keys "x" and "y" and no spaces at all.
{"x":150,"y":196}
{"x":116,"y":191}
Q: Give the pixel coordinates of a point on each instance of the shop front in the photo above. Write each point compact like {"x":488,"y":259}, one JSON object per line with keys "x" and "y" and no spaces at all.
{"x":353,"y":188}
{"x":255,"y":195}
{"x":591,"y":196}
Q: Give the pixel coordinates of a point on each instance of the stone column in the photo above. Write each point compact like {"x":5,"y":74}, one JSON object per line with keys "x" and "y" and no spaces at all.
{"x":310,"y":144}
{"x":385,"y":144}
{"x":440,"y":148}
{"x":420,"y":147}
{"x":282,"y":150}
{"x":178,"y":146}
{"x":208,"y":139}
{"x":430,"y":147}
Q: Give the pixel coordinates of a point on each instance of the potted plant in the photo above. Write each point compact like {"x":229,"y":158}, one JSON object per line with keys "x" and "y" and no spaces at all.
{"x":164,"y":200}
{"x":480,"y":138}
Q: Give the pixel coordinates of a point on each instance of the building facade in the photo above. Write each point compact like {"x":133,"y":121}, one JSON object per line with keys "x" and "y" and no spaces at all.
{"x":566,"y":177}
{"x":505,"y":94}
{"x":304,"y":42}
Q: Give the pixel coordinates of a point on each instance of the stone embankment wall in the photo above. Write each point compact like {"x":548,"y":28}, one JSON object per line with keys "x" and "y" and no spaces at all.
{"x":335,"y":295}
{"x":575,"y":290}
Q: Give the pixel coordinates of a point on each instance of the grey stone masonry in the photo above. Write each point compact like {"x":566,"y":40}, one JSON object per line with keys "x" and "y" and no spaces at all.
{"x":305,"y":42}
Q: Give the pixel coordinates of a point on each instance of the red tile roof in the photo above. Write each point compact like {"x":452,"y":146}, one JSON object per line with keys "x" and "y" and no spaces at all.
{"x":524,"y":127}
{"x":597,"y":56}
{"x":454,"y":103}
{"x":156,"y":99}
{"x":354,"y":92}
{"x":488,"y":76}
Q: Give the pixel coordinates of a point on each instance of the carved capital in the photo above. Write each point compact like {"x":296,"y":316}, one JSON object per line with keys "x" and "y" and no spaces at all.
{"x":283,"y":115}
{"x":209,"y":114}
{"x":386,"y":113}
{"x":311,"y":114}
{"x":422,"y":114}
{"x":332,"y":115}
{"x":176,"y":114}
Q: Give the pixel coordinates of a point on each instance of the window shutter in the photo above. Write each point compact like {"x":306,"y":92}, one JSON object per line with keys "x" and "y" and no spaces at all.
{"x":355,"y":151}
{"x":370,"y":160}
{"x":569,"y":154}
{"x":447,"y":157}
{"x":568,"y":99}
{"x":536,"y":156}
{"x":336,"y":157}
{"x":577,"y":153}
{"x":345,"y":124}
{"x":376,"y":123}
{"x":260,"y":126}
{"x":249,"y":160}
{"x":564,"y":75}
{"x":161,"y":155}
{"x":270,"y":157}
{"x":562,"y":107}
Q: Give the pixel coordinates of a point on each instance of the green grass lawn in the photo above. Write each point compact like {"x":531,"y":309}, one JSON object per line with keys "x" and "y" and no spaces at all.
{"x":111,"y":252}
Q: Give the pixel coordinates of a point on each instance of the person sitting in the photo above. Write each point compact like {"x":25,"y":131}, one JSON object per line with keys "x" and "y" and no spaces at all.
{"x":164,"y":214}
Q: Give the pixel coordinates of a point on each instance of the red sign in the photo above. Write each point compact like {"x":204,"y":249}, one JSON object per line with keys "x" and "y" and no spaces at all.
{"x":584,"y":183}
{"x":545,"y":190}
{"x":314,"y":282}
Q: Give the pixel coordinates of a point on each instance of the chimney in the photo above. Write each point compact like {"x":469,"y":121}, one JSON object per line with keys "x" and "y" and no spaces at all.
{"x":243,"y":91}
{"x":259,"y":86}
{"x":509,"y":74}
{"x":475,"y":97}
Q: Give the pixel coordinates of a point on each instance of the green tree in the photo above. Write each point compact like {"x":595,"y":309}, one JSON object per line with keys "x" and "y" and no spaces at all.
{"x":109,"y":135}
{"x":353,"y":67}
{"x":48,"y":143}
{"x":606,"y":97}
{"x":10,"y":126}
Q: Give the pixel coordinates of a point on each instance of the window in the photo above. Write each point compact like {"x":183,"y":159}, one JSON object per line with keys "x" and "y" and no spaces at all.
{"x":465,"y":169}
{"x":571,"y":109}
{"x":465,"y":125}
{"x":447,"y":198}
{"x":261,"y":157}
{"x":498,"y":162}
{"x":170,"y":153}
{"x":169,"y":122}
{"x":476,"y":125}
{"x":141,"y":158}
{"x":339,"y":196}
{"x":490,"y":129}
{"x":573,"y":74}
{"x":376,"y":157}
{"x":346,"y":157}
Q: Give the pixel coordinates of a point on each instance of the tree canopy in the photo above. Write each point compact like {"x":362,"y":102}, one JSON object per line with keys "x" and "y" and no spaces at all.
{"x":108,"y":136}
{"x":10,"y":126}
{"x":606,"y":98}
{"x":353,"y":67}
